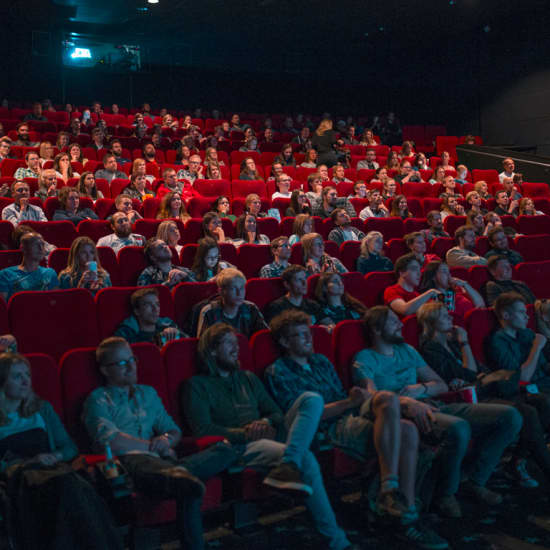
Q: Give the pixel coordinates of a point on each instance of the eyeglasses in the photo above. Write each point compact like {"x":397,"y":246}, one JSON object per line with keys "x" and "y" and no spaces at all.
{"x":123,"y":363}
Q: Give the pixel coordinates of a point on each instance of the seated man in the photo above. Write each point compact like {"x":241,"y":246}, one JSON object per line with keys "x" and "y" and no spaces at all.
{"x":21,"y":210}
{"x":30,"y":275}
{"x":343,"y":230}
{"x":508,"y":167}
{"x":122,"y":234}
{"x":32,"y":170}
{"x":463,"y":254}
{"x":402,"y":297}
{"x":516,"y":347}
{"x":116,"y":149}
{"x":131,"y":419}
{"x":281,"y":250}
{"x":435,"y":227}
{"x":506,"y":206}
{"x":145,"y":325}
{"x":370,"y":161}
{"x":500,"y":247}
{"x":376,"y":207}
{"x":329,"y":200}
{"x":169,"y":183}
{"x":363,"y":424}
{"x":392,"y":365}
{"x":123,"y":203}
{"x":295,"y":281}
{"x":161,"y":271}
{"x":110,"y":170}
{"x":23,"y":136}
{"x":36,"y":113}
{"x":69,"y":197}
{"x":194,"y":170}
{"x":501,"y":272}
{"x":231,"y":307}
{"x":226,"y":401}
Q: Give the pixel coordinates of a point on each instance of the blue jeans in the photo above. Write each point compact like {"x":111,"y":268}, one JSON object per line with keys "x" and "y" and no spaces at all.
{"x":491,"y":427}
{"x":301,"y":421}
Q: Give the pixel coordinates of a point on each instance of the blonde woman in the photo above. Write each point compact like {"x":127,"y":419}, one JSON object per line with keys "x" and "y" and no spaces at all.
{"x":46,"y":152}
{"x":139,"y":168}
{"x":303,"y":224}
{"x":168,"y":232}
{"x":315,"y":258}
{"x":172,"y":206}
{"x":527,"y":208}
{"x":323,"y":141}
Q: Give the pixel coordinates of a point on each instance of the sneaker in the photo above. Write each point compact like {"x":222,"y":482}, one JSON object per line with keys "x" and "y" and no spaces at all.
{"x":448,"y":507}
{"x":517,"y":470}
{"x":391,"y":503}
{"x":423,"y":537}
{"x":286,"y":477}
{"x":482,"y":493}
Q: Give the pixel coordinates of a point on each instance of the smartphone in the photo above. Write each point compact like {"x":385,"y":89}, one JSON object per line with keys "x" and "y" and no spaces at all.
{"x":92,"y":266}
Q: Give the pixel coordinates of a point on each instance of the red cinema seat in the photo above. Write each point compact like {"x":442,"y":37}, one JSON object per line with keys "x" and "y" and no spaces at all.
{"x":483,"y":246}
{"x":281,"y":205}
{"x":265,"y":351}
{"x":187,"y":254}
{"x":58,"y":259}
{"x":107,"y":258}
{"x":411,"y":330}
{"x":10,"y":166}
{"x":478,"y":276}
{"x":4,"y":322}
{"x":535,"y":190}
{"x":431,"y":203}
{"x":252,"y":257}
{"x":533,"y":248}
{"x":355,"y":284}
{"x":95,"y":229}
{"x":45,"y":380}
{"x":268,"y":226}
{"x":186,"y":295}
{"x":480,"y":323}
{"x":441,"y":245}
{"x":452,"y":223}
{"x":113,"y":306}
{"x":264,"y":291}
{"x":150,"y":208}
{"x":238,"y":156}
{"x":61,"y":234}
{"x":192,"y":231}
{"x":377,"y":282}
{"x":131,"y":262}
{"x":391,"y":228}
{"x":105,"y":208}
{"x":9,"y":258}
{"x":6,"y":230}
{"x":395,"y":248}
{"x":349,"y":252}
{"x":348,"y":338}
{"x":146,"y":227}
{"x":198,"y":206}
{"x":213,"y":188}
{"x":490,"y":176}
{"x":414,"y":224}
{"x":533,"y":225}
{"x":420,"y":190}
{"x":243,"y":188}
{"x":53,"y":321}
{"x":536,"y":275}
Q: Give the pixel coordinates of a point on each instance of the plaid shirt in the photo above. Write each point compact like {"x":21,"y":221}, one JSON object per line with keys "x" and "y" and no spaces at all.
{"x":247,"y":321}
{"x":154,"y":276}
{"x":272,"y":270}
{"x":21,"y":173}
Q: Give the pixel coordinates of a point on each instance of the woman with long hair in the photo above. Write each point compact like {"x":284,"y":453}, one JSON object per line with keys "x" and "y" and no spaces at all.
{"x":249,"y":170}
{"x":63,"y":168}
{"x":367,"y":139}
{"x":310,"y":160}
{"x":87,"y":187}
{"x":171,"y":206}
{"x":183,"y":154}
{"x":137,"y":188}
{"x":298,"y":204}
{"x":246,"y":231}
{"x":372,"y":254}
{"x":62,"y":140}
{"x":213,"y":171}
{"x":315,"y":258}
{"x":84,"y":269}
{"x":393,"y":162}
{"x":54,"y":507}
{"x":75,"y":153}
{"x":168,"y":232}
{"x":207,"y":263}
{"x":400,"y":208}
{"x":323,"y":141}
{"x":438,"y":176}
{"x":303,"y":224}
{"x":527,"y":208}
{"x":335,"y":302}
{"x":483,"y":190}
{"x":286,"y":158}
{"x":314,"y":187}
{"x":211,"y":156}
{"x":222,"y":207}
{"x":212,"y":227}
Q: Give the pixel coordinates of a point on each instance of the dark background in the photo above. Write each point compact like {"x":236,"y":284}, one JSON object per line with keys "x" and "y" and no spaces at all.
{"x":478,"y":66}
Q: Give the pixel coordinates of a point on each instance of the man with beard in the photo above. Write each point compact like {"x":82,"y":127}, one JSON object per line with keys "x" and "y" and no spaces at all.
{"x":329,"y":200}
{"x":463,"y":254}
{"x":131,"y":418}
{"x":392,"y":365}
{"x":161,"y":271}
{"x":225,"y":401}
{"x":23,"y":139}
{"x":122,"y":234}
{"x":376,"y":207}
{"x":367,"y":425}
{"x":435,"y":229}
{"x":32,"y":169}
{"x":343,"y":230}
{"x":116,"y":150}
{"x":109,"y":171}
{"x":149,"y":153}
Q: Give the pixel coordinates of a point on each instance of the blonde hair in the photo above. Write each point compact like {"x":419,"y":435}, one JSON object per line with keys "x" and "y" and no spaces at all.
{"x":370,"y":236}
{"x":165,"y":211}
{"x":226,"y":277}
{"x":307,"y":244}
{"x":324,"y":125}
{"x":163,"y":228}
{"x":427,"y":317}
{"x":299,"y":222}
{"x":73,"y":268}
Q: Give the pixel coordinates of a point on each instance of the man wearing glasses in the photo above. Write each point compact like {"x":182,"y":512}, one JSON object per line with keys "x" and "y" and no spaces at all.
{"x":170,"y":184}
{"x":21,"y":210}
{"x":131,"y":418}
{"x":194,"y":172}
{"x":281,"y":250}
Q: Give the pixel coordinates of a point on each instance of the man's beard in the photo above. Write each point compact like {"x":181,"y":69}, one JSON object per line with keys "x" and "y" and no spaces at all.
{"x":392,"y":338}
{"x":228,"y":365}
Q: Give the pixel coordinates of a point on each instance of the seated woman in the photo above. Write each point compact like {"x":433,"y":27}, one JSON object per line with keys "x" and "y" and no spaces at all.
{"x":53,"y":506}
{"x":303,"y":224}
{"x":381,"y":174}
{"x":212,"y":227}
{"x":438,"y":176}
{"x":315,"y":187}
{"x":367,"y":139}
{"x":45,"y":152}
{"x":483,"y":190}
{"x":406,"y":150}
{"x":222,"y":207}
{"x":183,"y":153}
{"x":75,"y":153}
{"x":460,"y":297}
{"x":69,"y":197}
{"x":420,"y":162}
{"x":451,"y":207}
{"x":246,"y":231}
{"x":253,"y":205}
{"x":393,"y":162}
{"x":416,"y":243}
{"x":84,"y":268}
{"x":211,"y":157}
{"x":286,"y":158}
{"x":63,"y":168}
{"x":168,"y":232}
{"x":445,"y":162}
{"x":527,"y":208}
{"x":476,"y":221}
{"x":310,"y":160}
{"x":213,"y":172}
{"x":137,"y":189}
{"x":298,"y":204}
{"x":372,"y":256}
{"x":139,"y":168}
{"x":172,"y":206}
{"x":207,"y":263}
{"x":250,"y":144}
{"x":389,"y":188}
{"x":400,"y":208}
{"x":249,"y":170}
{"x":339,"y":175}
{"x":87,"y":187}
{"x":336,"y":304}
{"x":315,"y":259}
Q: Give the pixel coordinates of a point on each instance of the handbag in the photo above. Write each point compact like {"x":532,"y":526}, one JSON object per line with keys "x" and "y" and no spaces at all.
{"x":499,"y":383}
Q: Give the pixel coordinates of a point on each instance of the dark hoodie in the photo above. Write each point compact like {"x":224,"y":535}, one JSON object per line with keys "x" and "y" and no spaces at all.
{"x":223,"y":405}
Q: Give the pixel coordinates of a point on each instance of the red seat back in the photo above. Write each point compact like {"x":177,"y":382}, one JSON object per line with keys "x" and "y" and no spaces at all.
{"x":131,"y":262}
{"x":186,"y":295}
{"x":61,"y":233}
{"x":252,"y":257}
{"x":45,"y":380}
{"x":536,"y":276}
{"x":377,"y":282}
{"x":480,"y":323}
{"x":391,"y":228}
{"x":264,"y":291}
{"x":347,"y":339}
{"x":533,"y":225}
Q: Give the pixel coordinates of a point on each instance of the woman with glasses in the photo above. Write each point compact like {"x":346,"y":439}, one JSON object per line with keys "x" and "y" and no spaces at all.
{"x":222,"y":207}
{"x":207,"y":262}
{"x":299,"y":204}
{"x":212,"y":227}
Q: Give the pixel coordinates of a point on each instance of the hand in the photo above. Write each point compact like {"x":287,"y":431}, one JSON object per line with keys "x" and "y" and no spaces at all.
{"x":434,"y":293}
{"x":220,"y":233}
{"x":88,"y":277}
{"x":47,"y":459}
{"x":420,"y":413}
{"x":7,"y":341}
{"x":414,"y":390}
{"x":160,"y":444}
{"x":540,"y":340}
{"x":4,"y":190}
{"x":513,"y":205}
{"x":171,"y":333}
{"x":383,"y":207}
{"x":358,"y":396}
{"x":458,"y":282}
{"x":460,"y":334}
{"x":51,"y":189}
{"x":312,"y":265}
{"x":259,"y":429}
{"x":176,"y":275}
{"x":23,"y":203}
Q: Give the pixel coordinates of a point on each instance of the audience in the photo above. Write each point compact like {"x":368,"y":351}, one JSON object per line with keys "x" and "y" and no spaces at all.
{"x":501,"y":272}
{"x":315,"y":258}
{"x":500,"y":246}
{"x":463,"y":255}
{"x":281,"y":250}
{"x":122,"y":234}
{"x":343,"y":230}
{"x":69,"y":198}
{"x":21,"y":210}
